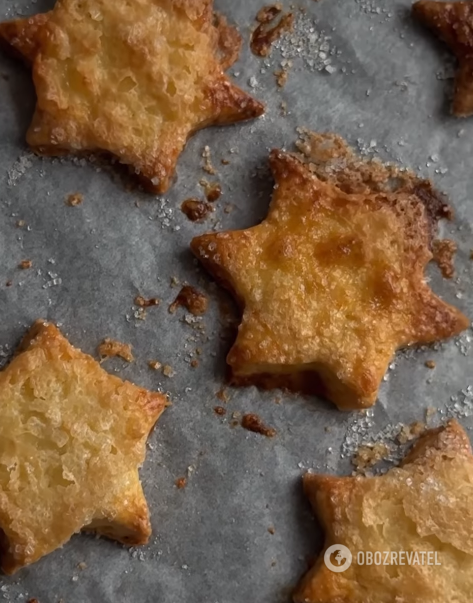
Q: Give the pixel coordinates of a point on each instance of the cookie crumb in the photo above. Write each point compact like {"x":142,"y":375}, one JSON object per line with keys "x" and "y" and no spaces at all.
{"x":146,"y":303}
{"x":181,"y":483}
{"x":430,"y":412}
{"x":369,"y":455}
{"x":168,"y":371}
{"x":271,"y":530}
{"x":253,"y":422}
{"x":74,"y":200}
{"x":155,"y":365}
{"x":410,"y":432}
{"x":219,"y":410}
{"x":196,"y":210}
{"x":25,"y":264}
{"x":213,"y":190}
{"x":222,"y":395}
{"x":444,"y":253}
{"x":208,"y":167}
{"x":191,"y":299}
{"x":111,"y":348}
{"x":281,"y":77}
{"x":430,"y":364}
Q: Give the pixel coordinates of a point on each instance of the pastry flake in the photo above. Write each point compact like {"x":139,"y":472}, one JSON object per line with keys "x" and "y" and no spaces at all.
{"x":134,"y":79}
{"x":72,"y":438}
{"x":453,"y":23}
{"x":331,"y":284}
{"x":422,"y":506}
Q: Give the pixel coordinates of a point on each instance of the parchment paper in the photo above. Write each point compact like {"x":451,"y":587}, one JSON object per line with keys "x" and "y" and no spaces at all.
{"x":389,"y":93}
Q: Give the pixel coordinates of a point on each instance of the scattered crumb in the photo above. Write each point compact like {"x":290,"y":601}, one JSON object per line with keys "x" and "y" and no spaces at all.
{"x":430,"y":412}
{"x":194,"y":363}
{"x":271,"y":530}
{"x":283,"y":108}
{"x":272,"y":25}
{"x":219,"y":410}
{"x":213,"y":190}
{"x":181,"y":483}
{"x":228,"y":208}
{"x":25,"y":264}
{"x":20,"y":224}
{"x":155,"y":365}
{"x":329,"y":157}
{"x":410,"y":432}
{"x":109,"y":348}
{"x":430,"y":364}
{"x":196,"y":210}
{"x":175,"y":282}
{"x":269,"y":13}
{"x":82,"y":565}
{"x":208,"y":167}
{"x":444,"y":253}
{"x":8,"y":283}
{"x":225,"y":162}
{"x":74,"y":200}
{"x":191,"y":299}
{"x":368,"y":455}
{"x":471,"y":254}
{"x":281,"y":77}
{"x":168,"y":371}
{"x":222,"y":395}
{"x":252,"y":422}
{"x":33,"y":601}
{"x":146,"y":303}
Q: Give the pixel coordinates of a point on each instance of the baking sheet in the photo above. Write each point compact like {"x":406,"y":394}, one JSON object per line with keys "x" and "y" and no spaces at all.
{"x":388,"y":94}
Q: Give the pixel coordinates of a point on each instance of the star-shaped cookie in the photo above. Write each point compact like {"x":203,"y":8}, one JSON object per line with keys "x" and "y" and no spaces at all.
{"x":453,"y":23}
{"x":72,"y":438}
{"x":134,"y":79}
{"x":422,"y":509}
{"x":330,"y":285}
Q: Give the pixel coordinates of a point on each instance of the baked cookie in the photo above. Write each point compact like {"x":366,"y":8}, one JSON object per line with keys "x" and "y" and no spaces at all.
{"x":453,"y":23}
{"x":134,"y":79}
{"x":72,"y":438}
{"x":330,"y":285}
{"x":423,"y":506}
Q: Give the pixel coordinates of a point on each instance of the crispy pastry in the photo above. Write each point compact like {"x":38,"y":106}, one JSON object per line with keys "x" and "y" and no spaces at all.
{"x":134,"y":79}
{"x":422,"y":506}
{"x":330,"y":285}
{"x":71,"y":440}
{"x":453,"y":23}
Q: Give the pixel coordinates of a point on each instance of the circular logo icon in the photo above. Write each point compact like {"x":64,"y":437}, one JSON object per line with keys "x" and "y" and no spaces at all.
{"x":342,"y":558}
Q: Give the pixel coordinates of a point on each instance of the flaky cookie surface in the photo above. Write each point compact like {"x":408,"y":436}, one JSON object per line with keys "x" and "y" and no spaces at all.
{"x":330,"y":284}
{"x":72,"y":438}
{"x":423,"y":506}
{"x":134,"y":79}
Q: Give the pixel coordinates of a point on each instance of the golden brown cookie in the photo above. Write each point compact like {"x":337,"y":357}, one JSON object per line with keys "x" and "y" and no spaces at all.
{"x":134,"y":79}
{"x":72,"y":438}
{"x":331,"y":284}
{"x":423,"y":506}
{"x":453,"y":23}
